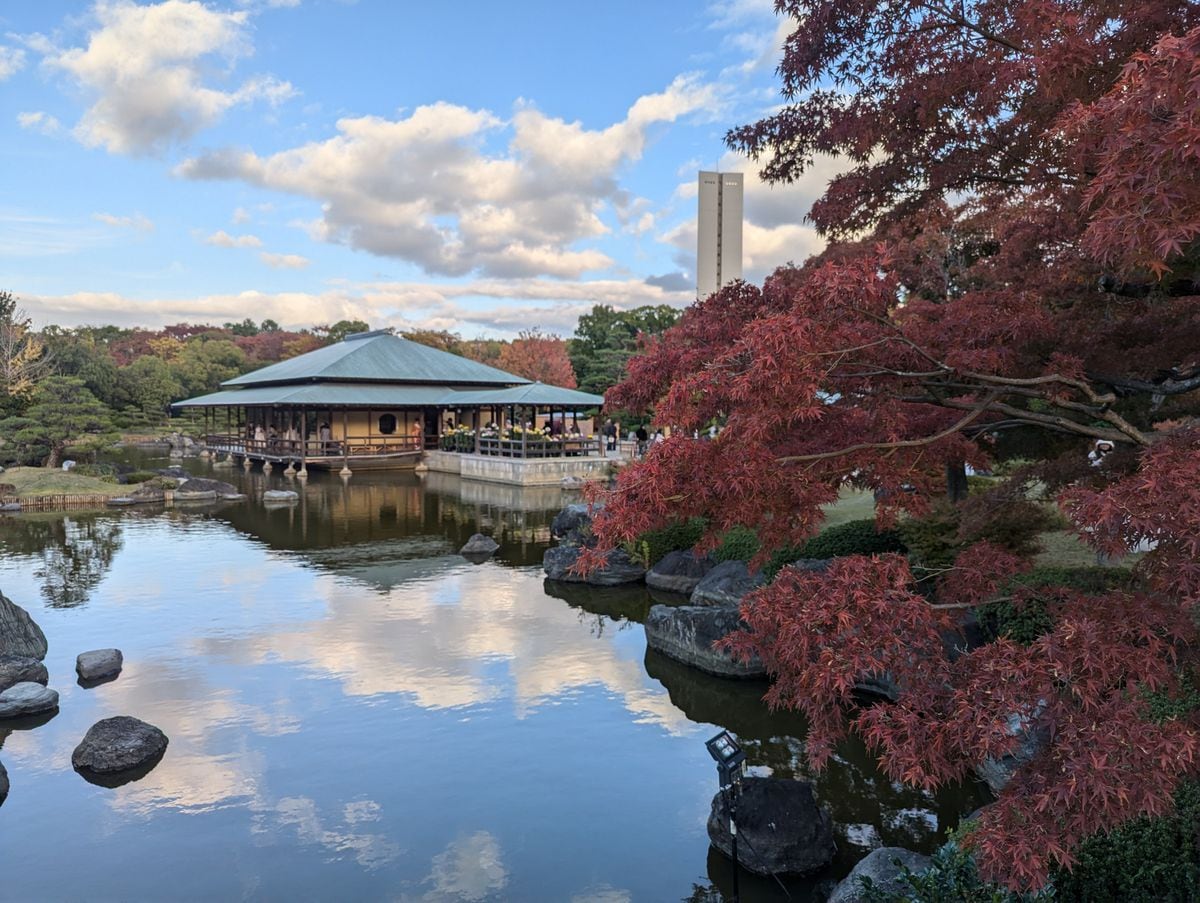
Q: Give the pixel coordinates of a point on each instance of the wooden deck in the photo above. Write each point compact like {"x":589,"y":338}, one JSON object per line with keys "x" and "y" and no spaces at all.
{"x":359,"y":452}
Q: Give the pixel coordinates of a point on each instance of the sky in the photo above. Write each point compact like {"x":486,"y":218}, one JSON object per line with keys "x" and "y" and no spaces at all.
{"x":477,"y":167}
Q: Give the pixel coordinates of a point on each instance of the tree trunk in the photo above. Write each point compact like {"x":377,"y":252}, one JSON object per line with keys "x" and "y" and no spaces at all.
{"x":56,"y":455}
{"x":956,"y":482}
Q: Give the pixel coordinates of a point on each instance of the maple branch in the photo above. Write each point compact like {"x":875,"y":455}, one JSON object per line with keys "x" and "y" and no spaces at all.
{"x":963,"y":22}
{"x":1171,"y":385}
{"x":901,"y":443}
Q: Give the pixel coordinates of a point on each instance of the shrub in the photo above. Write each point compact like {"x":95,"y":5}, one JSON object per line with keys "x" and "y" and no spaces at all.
{"x":1025,"y":622}
{"x":651,"y":546}
{"x":951,"y":877}
{"x":932,"y":540}
{"x":1147,"y":860}
{"x":138,"y":476}
{"x":856,"y":537}
{"x":738,"y":544}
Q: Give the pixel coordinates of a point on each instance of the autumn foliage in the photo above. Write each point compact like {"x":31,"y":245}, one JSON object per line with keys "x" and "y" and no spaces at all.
{"x":539,"y":357}
{"x":1013,"y":252}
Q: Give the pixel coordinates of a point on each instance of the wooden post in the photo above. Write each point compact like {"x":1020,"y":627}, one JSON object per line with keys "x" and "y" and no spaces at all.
{"x":303,"y":474}
{"x":345,"y":445}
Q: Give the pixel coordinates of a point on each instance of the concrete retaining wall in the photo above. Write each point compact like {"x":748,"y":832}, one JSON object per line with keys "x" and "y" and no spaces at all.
{"x":517,"y":471}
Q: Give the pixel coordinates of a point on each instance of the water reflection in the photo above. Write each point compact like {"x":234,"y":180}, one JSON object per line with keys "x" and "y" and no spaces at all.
{"x":357,"y":712}
{"x":70,"y":554}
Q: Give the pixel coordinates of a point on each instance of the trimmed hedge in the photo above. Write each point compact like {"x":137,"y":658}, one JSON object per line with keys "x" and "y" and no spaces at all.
{"x":651,"y":546}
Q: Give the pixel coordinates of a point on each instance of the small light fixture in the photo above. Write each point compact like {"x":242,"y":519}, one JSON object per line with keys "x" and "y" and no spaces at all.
{"x":729,"y":757}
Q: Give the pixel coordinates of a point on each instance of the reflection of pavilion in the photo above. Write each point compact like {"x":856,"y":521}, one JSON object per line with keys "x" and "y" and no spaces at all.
{"x":377,"y":401}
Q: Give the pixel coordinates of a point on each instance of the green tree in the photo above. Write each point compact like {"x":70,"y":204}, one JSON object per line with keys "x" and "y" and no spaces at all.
{"x":147,"y":385}
{"x":63,"y":412}
{"x":202,"y":365}
{"x":606,"y":339}
{"x":78,"y":352}
{"x":341,"y":329}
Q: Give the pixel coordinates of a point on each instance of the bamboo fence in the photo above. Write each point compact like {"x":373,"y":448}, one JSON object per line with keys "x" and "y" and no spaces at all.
{"x":56,"y":502}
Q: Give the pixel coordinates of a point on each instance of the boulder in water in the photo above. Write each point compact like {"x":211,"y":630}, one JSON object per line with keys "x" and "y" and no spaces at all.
{"x":119,"y":744}
{"x":679,"y":571}
{"x":99,"y":664}
{"x":618,"y":568}
{"x":725,"y":584}
{"x":280,"y":497}
{"x":686,"y":633}
{"x":880,"y":866}
{"x":19,"y":635}
{"x":573,"y":523}
{"x":788,"y":832}
{"x":17,"y":669}
{"x":27,"y":698}
{"x":479,"y":547}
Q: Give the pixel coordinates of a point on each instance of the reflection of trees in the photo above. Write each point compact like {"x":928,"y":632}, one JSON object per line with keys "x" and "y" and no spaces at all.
{"x":75,"y":552}
{"x":855,"y":792}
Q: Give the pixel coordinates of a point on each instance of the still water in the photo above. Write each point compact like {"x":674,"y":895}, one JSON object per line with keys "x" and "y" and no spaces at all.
{"x":356,"y":712}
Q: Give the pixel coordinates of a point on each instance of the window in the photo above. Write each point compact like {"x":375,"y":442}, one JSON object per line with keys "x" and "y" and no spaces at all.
{"x":387,"y":424}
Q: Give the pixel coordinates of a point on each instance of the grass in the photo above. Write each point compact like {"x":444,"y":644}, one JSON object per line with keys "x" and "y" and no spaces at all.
{"x":31,"y":482}
{"x":852,"y":504}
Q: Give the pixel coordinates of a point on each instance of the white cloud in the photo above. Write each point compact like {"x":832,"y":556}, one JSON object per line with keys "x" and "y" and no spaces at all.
{"x":420,"y":188}
{"x":12,"y":60}
{"x":137,"y":221}
{"x":40,"y":122}
{"x":145,"y":68}
{"x":284,"y":261}
{"x":474,"y":307}
{"x":223,"y":239}
{"x":240,"y":215}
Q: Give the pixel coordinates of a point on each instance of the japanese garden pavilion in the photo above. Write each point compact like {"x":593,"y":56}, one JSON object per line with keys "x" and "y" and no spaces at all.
{"x":375,"y":400}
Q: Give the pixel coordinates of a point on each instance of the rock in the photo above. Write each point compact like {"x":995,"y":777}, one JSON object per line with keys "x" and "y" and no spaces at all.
{"x":686,"y":633}
{"x":882,"y":685}
{"x":203,"y":496}
{"x":280,"y":497}
{"x":679,"y":572}
{"x":19,"y":635}
{"x":119,"y":744}
{"x":619,"y":568}
{"x":479,"y":545}
{"x":175,"y":471}
{"x":99,"y":664}
{"x":3,"y":783}
{"x":126,"y":501}
{"x":200,"y":484}
{"x":233,"y":497}
{"x":11,"y":507}
{"x":27,"y":698}
{"x":996,"y":773}
{"x":573,"y":482}
{"x":573,"y":523}
{"x":788,"y":832}
{"x":18,"y":669}
{"x":878,"y":865}
{"x":725,"y":584}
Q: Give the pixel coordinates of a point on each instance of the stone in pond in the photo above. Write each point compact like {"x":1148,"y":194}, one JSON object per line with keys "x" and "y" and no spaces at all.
{"x":618,"y":568}
{"x":17,"y":669}
{"x":725,"y":584}
{"x":686,"y":633}
{"x":679,"y":572}
{"x":788,"y":832}
{"x":19,"y":635}
{"x":99,"y":664}
{"x":885,"y":875}
{"x":479,"y":547}
{"x":119,"y":744}
{"x":27,"y":698}
{"x":280,"y":497}
{"x":574,"y":522}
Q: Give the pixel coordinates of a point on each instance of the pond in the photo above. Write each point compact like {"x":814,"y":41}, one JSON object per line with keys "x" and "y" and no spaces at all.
{"x":356,"y":712}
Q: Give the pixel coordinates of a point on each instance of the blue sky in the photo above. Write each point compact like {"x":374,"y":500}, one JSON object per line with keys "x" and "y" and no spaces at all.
{"x":478,"y":167}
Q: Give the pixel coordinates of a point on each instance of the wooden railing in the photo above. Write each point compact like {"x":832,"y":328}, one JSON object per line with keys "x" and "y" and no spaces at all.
{"x":566,"y":447}
{"x":354,"y":446}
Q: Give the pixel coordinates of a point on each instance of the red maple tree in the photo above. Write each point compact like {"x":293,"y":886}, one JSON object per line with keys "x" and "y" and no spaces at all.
{"x":539,"y":357}
{"x":1013,"y":246}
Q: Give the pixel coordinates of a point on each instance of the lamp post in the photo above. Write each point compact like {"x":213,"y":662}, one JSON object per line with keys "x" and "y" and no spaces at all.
{"x":730,"y":758}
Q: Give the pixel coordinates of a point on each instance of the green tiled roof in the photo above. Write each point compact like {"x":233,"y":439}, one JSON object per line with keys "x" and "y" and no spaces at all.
{"x":320,"y":395}
{"x":384,"y":397}
{"x":538,"y":394}
{"x":378,"y":357}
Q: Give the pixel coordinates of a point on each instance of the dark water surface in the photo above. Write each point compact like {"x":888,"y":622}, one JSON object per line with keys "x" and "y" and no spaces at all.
{"x":356,"y":712}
